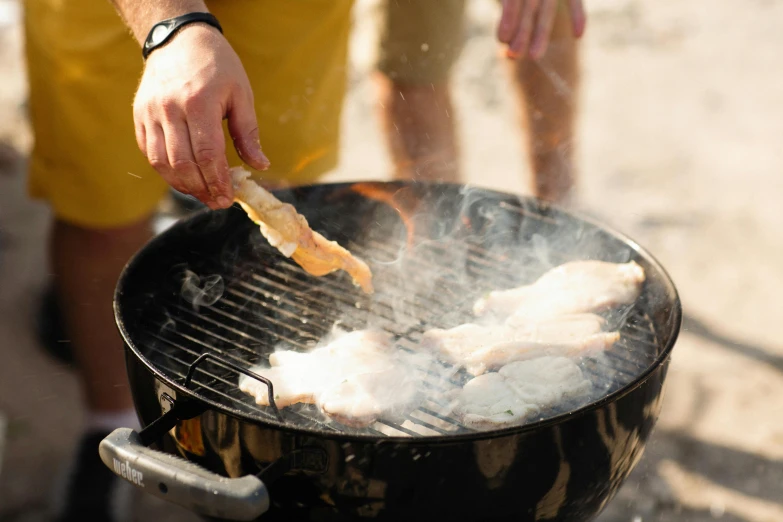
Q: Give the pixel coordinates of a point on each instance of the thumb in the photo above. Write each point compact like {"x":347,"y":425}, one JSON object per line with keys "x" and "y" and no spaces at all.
{"x":243,"y":127}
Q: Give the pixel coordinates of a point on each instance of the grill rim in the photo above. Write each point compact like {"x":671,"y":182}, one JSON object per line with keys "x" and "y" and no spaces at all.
{"x":657,"y":364}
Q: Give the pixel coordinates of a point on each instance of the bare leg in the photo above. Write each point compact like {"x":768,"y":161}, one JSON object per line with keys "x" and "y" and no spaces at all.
{"x":549,"y":91}
{"x":418,"y":121}
{"x":87,"y":264}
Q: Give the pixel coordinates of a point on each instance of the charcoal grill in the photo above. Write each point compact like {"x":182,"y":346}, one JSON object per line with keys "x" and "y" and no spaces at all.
{"x":208,"y":299}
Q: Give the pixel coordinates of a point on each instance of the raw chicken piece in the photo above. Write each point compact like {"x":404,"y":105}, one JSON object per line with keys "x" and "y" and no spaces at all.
{"x":302,"y":377}
{"x":574,"y":287}
{"x":546,"y":381}
{"x":482,"y":348}
{"x":288,"y":231}
{"x":291,"y":384}
{"x":519,"y":391}
{"x":488,"y":402}
{"x":361,"y":399}
{"x":362,"y":347}
{"x":455,"y":344}
{"x":354,"y":379}
{"x":566,"y":336}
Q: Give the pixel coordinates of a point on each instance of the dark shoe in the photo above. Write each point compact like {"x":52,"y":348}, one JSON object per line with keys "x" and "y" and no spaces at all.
{"x":50,"y":328}
{"x":90,"y":491}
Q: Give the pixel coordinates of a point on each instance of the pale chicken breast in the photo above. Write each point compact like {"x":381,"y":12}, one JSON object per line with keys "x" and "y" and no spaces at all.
{"x":364,"y":349}
{"x":354,"y":379}
{"x":361,"y":399}
{"x":289,"y":232}
{"x":303,"y":376}
{"x":291,"y":384}
{"x":574,"y":287}
{"x":519,"y":391}
{"x":482,"y":348}
{"x":497,"y":355}
{"x":454,"y":345}
{"x":488,"y":402}
{"x":546,"y":381}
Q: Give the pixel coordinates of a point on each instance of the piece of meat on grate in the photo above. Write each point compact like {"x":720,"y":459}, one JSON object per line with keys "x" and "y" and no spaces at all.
{"x":519,"y":391}
{"x":354,"y":379}
{"x":488,"y":401}
{"x":480,"y":348}
{"x":573,"y":287}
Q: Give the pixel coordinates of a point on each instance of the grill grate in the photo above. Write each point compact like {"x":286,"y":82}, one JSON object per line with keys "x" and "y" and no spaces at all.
{"x":268,"y":300}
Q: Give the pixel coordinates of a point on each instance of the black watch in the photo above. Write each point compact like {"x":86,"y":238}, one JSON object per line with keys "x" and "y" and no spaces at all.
{"x":162,"y":31}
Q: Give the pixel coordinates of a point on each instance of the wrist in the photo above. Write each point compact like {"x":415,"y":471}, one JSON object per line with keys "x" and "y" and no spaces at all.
{"x":164,"y":31}
{"x":142,"y":15}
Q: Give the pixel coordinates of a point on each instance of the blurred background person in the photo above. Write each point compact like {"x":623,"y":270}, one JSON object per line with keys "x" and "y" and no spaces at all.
{"x":420,"y":43}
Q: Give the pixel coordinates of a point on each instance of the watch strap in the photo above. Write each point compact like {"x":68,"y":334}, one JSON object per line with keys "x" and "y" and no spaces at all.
{"x":164,"y":30}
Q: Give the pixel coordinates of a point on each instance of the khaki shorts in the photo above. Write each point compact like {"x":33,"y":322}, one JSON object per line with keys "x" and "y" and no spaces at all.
{"x":84,"y":68}
{"x":420,"y":40}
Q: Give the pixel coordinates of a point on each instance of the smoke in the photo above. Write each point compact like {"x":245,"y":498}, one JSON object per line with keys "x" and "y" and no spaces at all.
{"x":202,"y":293}
{"x":465,"y":242}
{"x":434,"y":250}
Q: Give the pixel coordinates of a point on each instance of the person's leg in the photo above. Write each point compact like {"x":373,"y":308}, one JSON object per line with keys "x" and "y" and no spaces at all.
{"x":420,"y":132}
{"x":83,"y":68}
{"x":420,"y":41}
{"x":549,"y":92}
{"x":87,"y":264}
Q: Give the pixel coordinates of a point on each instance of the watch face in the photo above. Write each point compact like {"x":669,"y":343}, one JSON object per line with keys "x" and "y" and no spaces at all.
{"x":158,"y":34}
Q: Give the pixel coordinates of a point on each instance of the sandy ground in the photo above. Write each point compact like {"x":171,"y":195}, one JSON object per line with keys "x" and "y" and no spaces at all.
{"x":679,"y":147}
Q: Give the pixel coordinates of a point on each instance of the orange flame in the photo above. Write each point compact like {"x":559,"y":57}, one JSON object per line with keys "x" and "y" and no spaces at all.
{"x":400,"y":198}
{"x":309,"y":158}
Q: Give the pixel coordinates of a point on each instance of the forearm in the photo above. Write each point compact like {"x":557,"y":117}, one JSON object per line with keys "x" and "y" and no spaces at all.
{"x":141,"y":15}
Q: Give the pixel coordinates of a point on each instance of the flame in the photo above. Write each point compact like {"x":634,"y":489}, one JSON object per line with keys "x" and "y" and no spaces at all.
{"x":309,"y":158}
{"x":399,"y":198}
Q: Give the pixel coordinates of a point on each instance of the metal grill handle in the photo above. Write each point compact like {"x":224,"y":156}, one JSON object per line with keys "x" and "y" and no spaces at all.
{"x":231,"y":366}
{"x":181,"y":482}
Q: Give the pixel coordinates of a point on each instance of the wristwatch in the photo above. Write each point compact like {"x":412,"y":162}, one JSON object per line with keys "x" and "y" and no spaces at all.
{"x":162,"y":31}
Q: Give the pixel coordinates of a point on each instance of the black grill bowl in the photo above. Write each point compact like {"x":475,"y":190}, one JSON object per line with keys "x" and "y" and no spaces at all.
{"x":433,"y":248}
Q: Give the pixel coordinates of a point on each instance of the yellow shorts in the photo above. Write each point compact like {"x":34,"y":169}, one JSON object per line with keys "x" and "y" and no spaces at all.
{"x":84,"y":68}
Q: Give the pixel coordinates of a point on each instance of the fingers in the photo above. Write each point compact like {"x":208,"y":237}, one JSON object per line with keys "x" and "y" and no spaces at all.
{"x":243,"y":127}
{"x":155,"y":149}
{"x":526,"y":25}
{"x":544,"y":24}
{"x":521,"y":42}
{"x":181,"y":159}
{"x":509,"y":20}
{"x":190,"y":156}
{"x":578,"y":17}
{"x":168,"y":152}
{"x":209,"y":151}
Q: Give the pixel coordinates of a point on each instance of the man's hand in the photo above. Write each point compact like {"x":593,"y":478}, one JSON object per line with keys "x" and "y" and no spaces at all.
{"x":526,"y":25}
{"x":188,"y":87}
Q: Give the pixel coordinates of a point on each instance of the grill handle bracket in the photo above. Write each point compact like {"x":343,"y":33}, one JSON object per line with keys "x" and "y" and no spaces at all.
{"x":244,"y":371}
{"x":181,"y":482}
{"x":182,"y":409}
